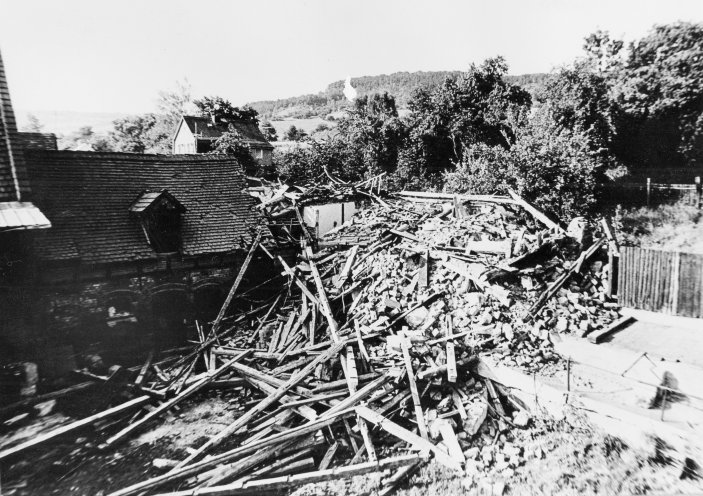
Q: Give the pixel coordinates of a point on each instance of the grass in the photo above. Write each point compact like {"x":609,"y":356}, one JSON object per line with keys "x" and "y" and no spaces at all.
{"x":669,"y":227}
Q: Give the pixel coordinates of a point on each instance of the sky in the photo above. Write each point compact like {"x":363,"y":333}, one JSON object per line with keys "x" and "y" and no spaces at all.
{"x":115,"y":55}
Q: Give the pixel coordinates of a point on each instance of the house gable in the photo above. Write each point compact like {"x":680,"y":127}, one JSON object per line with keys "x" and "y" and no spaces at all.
{"x":184,"y":140}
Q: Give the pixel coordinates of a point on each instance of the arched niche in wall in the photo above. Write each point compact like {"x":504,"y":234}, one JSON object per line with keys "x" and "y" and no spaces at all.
{"x":208,"y":296}
{"x":172,"y":315}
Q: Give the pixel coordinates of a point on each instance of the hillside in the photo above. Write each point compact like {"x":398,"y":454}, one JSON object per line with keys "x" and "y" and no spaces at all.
{"x":399,"y":84}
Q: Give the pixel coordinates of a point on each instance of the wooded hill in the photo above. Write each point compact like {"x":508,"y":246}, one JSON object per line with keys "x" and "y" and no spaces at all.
{"x":399,"y":84}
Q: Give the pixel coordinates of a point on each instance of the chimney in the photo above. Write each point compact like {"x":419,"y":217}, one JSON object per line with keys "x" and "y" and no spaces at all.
{"x":213,"y":118}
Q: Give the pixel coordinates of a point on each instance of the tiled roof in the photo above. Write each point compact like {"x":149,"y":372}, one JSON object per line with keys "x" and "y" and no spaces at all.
{"x":37,"y":141}
{"x":203,"y":128}
{"x":13,"y":175}
{"x":87,"y":197}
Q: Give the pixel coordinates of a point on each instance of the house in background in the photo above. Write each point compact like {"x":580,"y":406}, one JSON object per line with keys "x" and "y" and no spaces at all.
{"x":198,"y":135}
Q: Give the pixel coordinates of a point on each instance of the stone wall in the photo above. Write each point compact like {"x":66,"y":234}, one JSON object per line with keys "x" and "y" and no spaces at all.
{"x":115,"y":312}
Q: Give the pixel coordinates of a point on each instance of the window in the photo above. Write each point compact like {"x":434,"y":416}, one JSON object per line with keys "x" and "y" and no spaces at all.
{"x":159,"y":215}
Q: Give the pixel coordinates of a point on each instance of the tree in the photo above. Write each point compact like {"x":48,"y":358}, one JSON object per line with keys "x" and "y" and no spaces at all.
{"x":550,"y":166}
{"x":476,"y":107}
{"x":295,"y":134}
{"x":659,"y":89}
{"x":269,"y":131}
{"x":133,"y":133}
{"x":372,"y":134}
{"x":176,"y":103}
{"x":577,"y":99}
{"x":222,"y":110}
{"x":33,"y":124}
{"x":172,"y":106}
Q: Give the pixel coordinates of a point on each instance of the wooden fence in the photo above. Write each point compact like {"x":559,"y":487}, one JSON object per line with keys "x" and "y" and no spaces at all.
{"x":669,"y":282}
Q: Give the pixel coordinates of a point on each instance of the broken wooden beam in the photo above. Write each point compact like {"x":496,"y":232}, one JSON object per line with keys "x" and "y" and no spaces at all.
{"x":414,"y":440}
{"x":599,"y":336}
{"x":421,"y":425}
{"x":285,"y":482}
{"x":264,"y":404}
{"x":536,"y":213}
{"x":235,"y":285}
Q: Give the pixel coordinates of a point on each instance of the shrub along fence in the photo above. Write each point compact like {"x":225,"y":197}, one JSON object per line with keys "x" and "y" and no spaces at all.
{"x":669,"y":282}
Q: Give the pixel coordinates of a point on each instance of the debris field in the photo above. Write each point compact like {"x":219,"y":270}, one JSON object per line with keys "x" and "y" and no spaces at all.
{"x":369,"y":359}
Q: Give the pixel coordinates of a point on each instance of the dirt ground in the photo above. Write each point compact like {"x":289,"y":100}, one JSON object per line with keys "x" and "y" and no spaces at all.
{"x":547,"y":457}
{"x":567,"y":457}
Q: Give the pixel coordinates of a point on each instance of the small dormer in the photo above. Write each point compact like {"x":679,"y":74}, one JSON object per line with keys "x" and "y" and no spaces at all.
{"x":159,"y":214}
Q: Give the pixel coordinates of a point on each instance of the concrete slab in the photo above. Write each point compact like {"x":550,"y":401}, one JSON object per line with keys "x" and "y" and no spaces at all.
{"x":675,"y":339}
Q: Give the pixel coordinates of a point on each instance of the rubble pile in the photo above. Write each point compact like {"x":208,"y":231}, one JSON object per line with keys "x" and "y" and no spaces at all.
{"x":370,"y":359}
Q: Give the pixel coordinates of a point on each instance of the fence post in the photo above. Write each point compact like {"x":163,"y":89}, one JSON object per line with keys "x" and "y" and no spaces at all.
{"x":649,"y":189}
{"x":699,"y":190}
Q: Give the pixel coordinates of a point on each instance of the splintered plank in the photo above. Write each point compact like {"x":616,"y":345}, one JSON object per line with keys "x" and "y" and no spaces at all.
{"x":422,"y":426}
{"x":346,"y":270}
{"x":329,"y":456}
{"x":368,"y":443}
{"x":352,"y":374}
{"x":297,"y":281}
{"x":237,"y":282}
{"x":451,"y":442}
{"x":283,"y":338}
{"x":451,"y":357}
{"x":598,"y":336}
{"x":144,"y":368}
{"x":418,"y":443}
{"x":536,"y":213}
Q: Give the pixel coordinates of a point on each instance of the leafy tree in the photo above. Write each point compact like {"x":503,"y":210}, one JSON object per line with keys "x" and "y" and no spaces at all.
{"x":295,"y":134}
{"x":548,"y":165}
{"x":372,"y":133}
{"x":476,"y":107}
{"x":223,"y":111}
{"x":269,"y":131}
{"x":33,"y":124}
{"x":174,"y":104}
{"x":577,"y":99}
{"x":660,"y":91}
{"x":133,"y":133}
{"x":231,"y":143}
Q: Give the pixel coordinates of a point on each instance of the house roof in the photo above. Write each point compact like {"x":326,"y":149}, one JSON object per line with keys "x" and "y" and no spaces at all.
{"x":88,"y":195}
{"x":203,"y":128}
{"x":13,"y":175}
{"x":37,"y":141}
